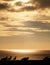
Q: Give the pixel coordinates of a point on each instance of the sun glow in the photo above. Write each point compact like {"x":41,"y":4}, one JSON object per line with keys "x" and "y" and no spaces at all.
{"x":23,"y":51}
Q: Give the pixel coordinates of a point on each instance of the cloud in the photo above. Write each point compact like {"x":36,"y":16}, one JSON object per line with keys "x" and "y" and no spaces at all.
{"x":17,"y":7}
{"x":3,"y":18}
{"x":44,"y":17}
{"x":14,"y":10}
{"x":4,"y":6}
{"x":16,"y":33}
{"x":25,"y":8}
{"x":20,"y":29}
{"x":37,"y":4}
{"x":18,"y":3}
{"x":4,"y":24}
{"x":41,"y":3}
{"x":37,"y":24}
{"x":28,"y":8}
{"x":9,"y":25}
{"x":12,"y":29}
{"x":31,"y":27}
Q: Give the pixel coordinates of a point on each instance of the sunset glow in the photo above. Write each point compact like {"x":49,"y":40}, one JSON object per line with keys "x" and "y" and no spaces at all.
{"x":23,"y":51}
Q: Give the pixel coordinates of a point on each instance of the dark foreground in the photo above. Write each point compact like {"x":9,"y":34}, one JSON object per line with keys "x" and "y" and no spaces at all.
{"x":26,"y":62}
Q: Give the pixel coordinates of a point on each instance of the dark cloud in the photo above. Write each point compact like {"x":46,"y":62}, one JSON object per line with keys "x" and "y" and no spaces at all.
{"x":41,"y":3}
{"x":4,"y":6}
{"x":30,"y":24}
{"x":28,"y":8}
{"x":18,"y":3}
{"x":38,"y":4}
{"x":8,"y":25}
{"x":14,"y":10}
{"x":12,"y":29}
{"x":43,"y":17}
{"x":37,"y":24}
{"x":41,"y":27}
{"x":20,"y":30}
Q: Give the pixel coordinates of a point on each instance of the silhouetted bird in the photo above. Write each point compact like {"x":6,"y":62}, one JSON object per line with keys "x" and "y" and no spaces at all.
{"x":46,"y":58}
{"x":14,"y":58}
{"x":26,"y":58}
{"x":9,"y":58}
{"x":4,"y":59}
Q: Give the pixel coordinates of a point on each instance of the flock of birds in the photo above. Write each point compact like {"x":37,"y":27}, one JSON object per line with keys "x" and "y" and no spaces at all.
{"x":14,"y":59}
{"x":8,"y":59}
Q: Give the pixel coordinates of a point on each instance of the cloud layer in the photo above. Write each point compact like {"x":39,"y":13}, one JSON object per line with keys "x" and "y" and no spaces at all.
{"x":3,"y":6}
{"x":24,"y":18}
{"x":42,"y":3}
{"x":12,"y":5}
{"x":25,"y":25}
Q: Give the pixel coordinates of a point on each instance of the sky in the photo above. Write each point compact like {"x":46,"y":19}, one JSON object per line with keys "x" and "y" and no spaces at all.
{"x":25,"y":24}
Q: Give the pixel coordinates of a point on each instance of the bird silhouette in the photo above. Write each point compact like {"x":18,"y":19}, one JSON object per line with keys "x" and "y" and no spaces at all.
{"x":46,"y":58}
{"x":26,"y":58}
{"x":14,"y":58}
{"x":4,"y":59}
{"x":9,"y":58}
